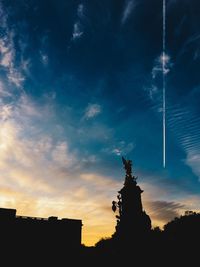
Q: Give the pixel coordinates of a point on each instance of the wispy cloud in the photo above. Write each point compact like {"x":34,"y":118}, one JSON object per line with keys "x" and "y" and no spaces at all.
{"x":120,"y":148}
{"x":5,"y":112}
{"x":95,"y":132}
{"x":92,"y":111}
{"x":184,"y":123}
{"x":8,"y":53}
{"x":128,"y":9}
{"x":182,"y":119}
{"x":80,"y":10}
{"x":44,"y":58}
{"x":193,"y":160}
{"x":3,"y":91}
{"x":192,"y":43}
{"x":156,"y":200}
{"x":15,"y":77}
{"x":77,"y":31}
{"x":42,"y":176}
{"x":154,"y":90}
{"x":164,"y":211}
{"x":158,"y":65}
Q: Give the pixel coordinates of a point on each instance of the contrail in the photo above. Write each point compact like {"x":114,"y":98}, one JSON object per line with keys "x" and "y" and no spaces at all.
{"x":164,"y":61}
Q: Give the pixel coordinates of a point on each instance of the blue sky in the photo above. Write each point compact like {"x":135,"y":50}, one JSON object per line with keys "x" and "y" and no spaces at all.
{"x":80,"y":85}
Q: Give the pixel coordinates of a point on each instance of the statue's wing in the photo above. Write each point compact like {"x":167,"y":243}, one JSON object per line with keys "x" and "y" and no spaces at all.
{"x":123,"y":160}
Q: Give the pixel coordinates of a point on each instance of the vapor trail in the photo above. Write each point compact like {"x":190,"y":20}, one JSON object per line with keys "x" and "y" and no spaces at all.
{"x":164,"y":59}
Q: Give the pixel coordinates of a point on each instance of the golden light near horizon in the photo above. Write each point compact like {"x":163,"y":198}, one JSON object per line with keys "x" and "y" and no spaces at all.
{"x":37,"y":186}
{"x":30,"y":188}
{"x":97,"y":222}
{"x":36,"y":179}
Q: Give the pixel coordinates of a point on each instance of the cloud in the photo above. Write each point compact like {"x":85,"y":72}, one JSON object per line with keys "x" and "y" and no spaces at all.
{"x":6,"y":50}
{"x":92,"y":111}
{"x":77,"y":31}
{"x":5,"y":112}
{"x":99,"y":181}
{"x":156,"y":199}
{"x":42,"y":176}
{"x":25,"y":66}
{"x":120,"y":148}
{"x":191,"y":202}
{"x":162,"y":65}
{"x":182,"y":120}
{"x":128,"y":9}
{"x":80,"y":10}
{"x":61,"y":155}
{"x":192,"y":43}
{"x":15,"y":77}
{"x":184,"y":123}
{"x":3,"y":92}
{"x":96,"y":132}
{"x":164,"y":211}
{"x":44,"y":58}
{"x":193,"y":160}
{"x":7,"y":57}
{"x":8,"y":53}
{"x":153,"y":93}
{"x":158,"y":65}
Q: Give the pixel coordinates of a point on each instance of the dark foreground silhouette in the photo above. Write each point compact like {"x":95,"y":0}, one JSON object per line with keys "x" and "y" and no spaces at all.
{"x":40,"y":240}
{"x":52,"y":242}
{"x":134,"y":240}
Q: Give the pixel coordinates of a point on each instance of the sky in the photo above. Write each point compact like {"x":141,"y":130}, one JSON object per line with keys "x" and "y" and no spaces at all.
{"x":80,"y":86}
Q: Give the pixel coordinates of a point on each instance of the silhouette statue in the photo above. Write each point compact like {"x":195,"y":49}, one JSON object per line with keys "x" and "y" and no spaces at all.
{"x":132,"y":220}
{"x":127,"y":166}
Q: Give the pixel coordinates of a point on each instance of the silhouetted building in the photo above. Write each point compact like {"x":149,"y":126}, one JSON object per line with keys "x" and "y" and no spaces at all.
{"x":132,"y":220}
{"x":51,"y":233}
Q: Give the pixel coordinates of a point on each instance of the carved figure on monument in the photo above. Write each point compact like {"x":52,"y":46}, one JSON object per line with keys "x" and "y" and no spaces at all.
{"x":131,"y":219}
